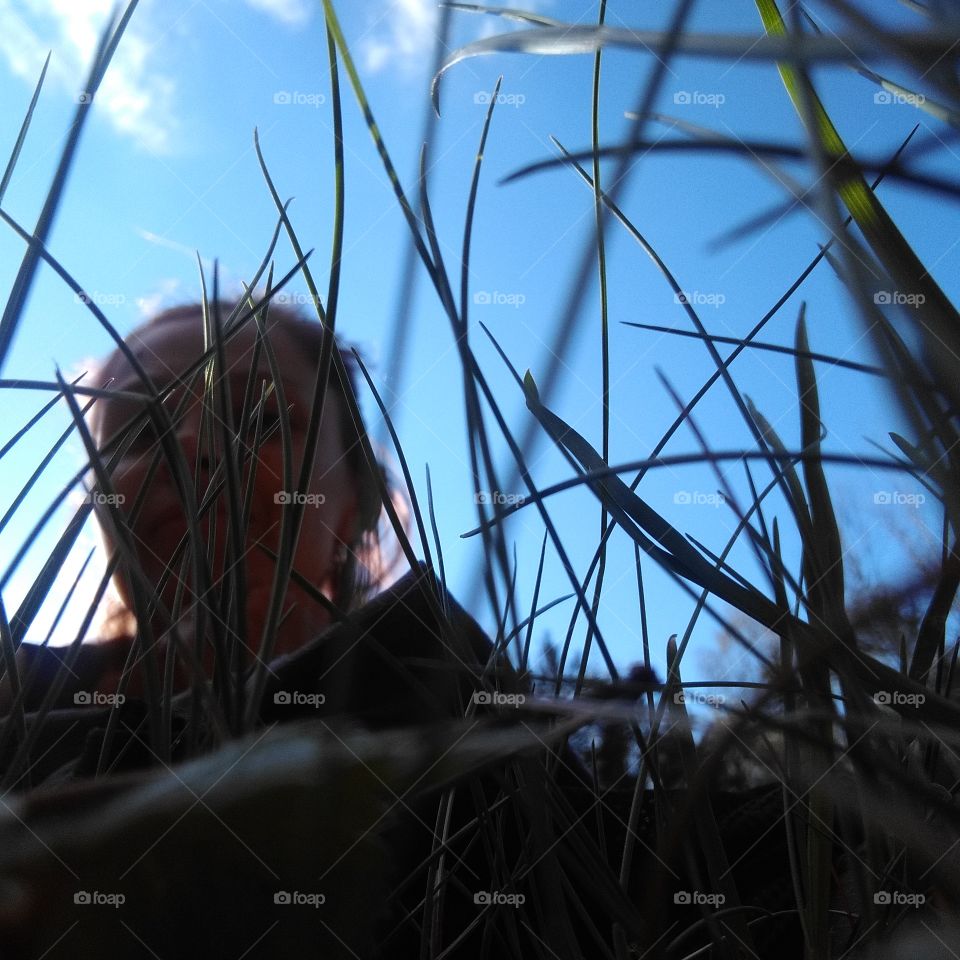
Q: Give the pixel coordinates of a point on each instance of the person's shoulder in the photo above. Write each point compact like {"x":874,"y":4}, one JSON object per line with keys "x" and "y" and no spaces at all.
{"x":409,"y":655}
{"x":78,"y":669}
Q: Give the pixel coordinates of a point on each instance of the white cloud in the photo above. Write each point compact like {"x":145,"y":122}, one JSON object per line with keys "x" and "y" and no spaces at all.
{"x":402,"y":32}
{"x":133,"y":97}
{"x":401,"y":36}
{"x":293,"y":13}
{"x":159,"y":298}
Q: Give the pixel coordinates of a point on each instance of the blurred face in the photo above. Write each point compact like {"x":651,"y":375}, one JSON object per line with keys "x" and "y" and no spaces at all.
{"x":166,"y":349}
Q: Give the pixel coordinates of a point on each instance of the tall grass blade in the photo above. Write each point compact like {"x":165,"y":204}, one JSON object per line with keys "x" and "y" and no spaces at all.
{"x":24,"y":280}
{"x":24,"y":127}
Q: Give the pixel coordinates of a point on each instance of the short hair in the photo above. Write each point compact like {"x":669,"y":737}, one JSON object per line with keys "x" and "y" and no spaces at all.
{"x":363,"y":569}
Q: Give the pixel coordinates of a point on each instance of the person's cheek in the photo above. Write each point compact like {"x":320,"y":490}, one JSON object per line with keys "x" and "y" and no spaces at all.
{"x":153,"y":490}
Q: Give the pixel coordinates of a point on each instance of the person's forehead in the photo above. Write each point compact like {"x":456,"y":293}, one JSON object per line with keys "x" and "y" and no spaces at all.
{"x":169,"y":348}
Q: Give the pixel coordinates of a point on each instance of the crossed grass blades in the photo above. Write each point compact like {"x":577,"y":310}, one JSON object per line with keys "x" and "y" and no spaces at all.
{"x":865,"y":781}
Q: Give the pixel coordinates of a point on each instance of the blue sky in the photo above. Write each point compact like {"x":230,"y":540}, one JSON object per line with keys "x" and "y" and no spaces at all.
{"x":166,"y":171}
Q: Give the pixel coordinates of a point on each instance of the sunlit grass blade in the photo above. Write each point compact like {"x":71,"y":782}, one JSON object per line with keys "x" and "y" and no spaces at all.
{"x":935,"y":319}
{"x":333,"y":24}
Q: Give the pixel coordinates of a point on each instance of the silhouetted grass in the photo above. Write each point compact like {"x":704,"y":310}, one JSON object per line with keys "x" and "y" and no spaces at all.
{"x":849,"y":840}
